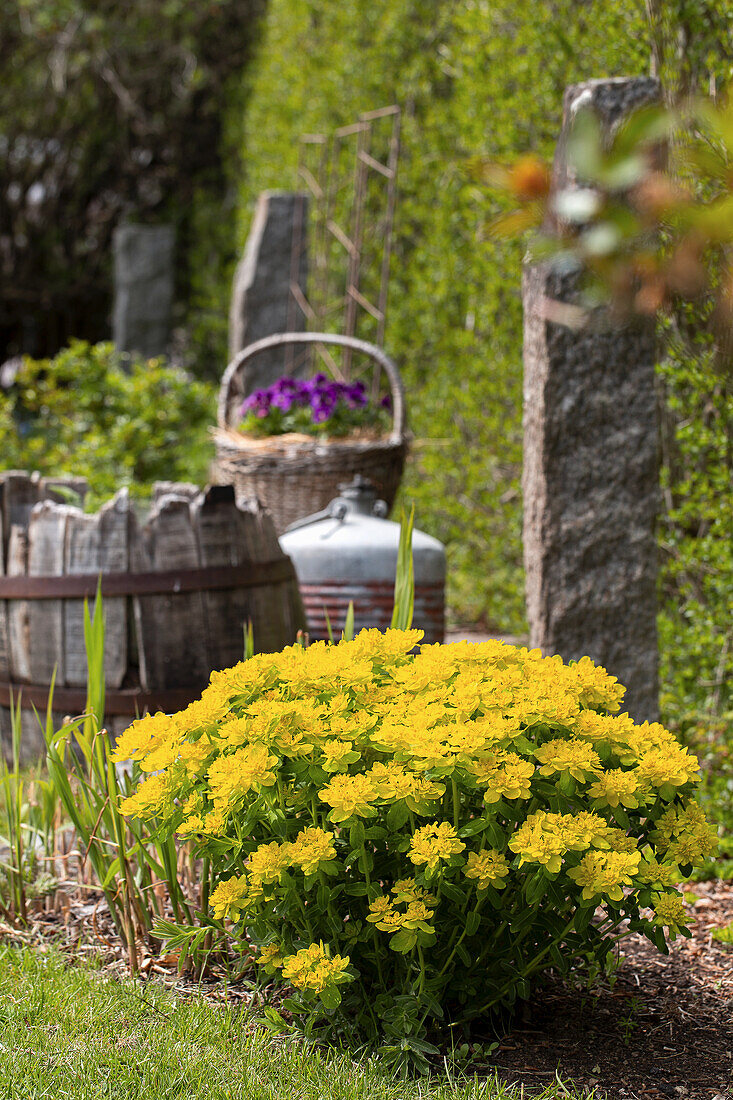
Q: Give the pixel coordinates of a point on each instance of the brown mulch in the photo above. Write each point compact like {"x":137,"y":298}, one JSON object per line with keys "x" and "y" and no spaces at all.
{"x":660,"y":1029}
{"x":663,"y":1028}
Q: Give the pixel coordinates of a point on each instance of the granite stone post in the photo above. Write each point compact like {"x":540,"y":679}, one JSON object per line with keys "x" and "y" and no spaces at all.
{"x":274,"y":260}
{"x":590,"y":477}
{"x":144,"y":285}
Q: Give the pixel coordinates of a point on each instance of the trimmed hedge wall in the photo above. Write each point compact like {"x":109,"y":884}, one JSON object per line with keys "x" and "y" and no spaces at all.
{"x":471,"y":76}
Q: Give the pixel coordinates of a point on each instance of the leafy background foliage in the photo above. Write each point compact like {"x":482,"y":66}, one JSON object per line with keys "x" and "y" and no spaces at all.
{"x":471,"y":77}
{"x":111,"y":111}
{"x":112,"y":419}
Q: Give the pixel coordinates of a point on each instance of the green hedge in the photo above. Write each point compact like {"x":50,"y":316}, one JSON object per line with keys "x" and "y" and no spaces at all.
{"x":471,"y":76}
{"x":116,"y":420}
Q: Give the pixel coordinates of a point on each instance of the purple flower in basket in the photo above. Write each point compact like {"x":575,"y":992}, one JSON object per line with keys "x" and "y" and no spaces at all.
{"x":257,"y":403}
{"x":356,"y":396}
{"x":321,"y":394}
{"x":386,"y":402}
{"x":284,"y":387}
{"x":283,"y":401}
{"x":323,"y":406}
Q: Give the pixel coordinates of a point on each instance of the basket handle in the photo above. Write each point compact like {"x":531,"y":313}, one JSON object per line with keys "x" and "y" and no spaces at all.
{"x":281,"y":338}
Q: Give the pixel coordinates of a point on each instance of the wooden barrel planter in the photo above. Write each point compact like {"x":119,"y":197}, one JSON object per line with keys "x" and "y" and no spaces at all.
{"x":179,"y":587}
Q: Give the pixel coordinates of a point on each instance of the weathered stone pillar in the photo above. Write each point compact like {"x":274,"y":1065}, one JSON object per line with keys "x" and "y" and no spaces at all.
{"x":274,"y":260}
{"x":590,"y":464}
{"x":144,"y":283}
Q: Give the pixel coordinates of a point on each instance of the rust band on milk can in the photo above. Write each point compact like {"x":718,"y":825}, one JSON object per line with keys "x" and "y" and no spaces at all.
{"x":373,"y":603}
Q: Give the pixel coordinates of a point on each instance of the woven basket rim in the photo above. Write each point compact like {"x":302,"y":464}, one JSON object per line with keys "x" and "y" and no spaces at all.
{"x":292,"y":443}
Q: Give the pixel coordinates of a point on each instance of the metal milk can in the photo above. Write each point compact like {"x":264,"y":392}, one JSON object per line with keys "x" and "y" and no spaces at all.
{"x":348,"y":553}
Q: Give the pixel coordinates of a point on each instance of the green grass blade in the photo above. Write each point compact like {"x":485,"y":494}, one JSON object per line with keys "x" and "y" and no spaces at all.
{"x":329,"y":628}
{"x":404,"y":588}
{"x":348,"y":634}
{"x":94,"y":644}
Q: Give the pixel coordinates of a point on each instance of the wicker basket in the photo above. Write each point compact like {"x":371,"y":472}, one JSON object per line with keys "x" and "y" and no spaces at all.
{"x":295,"y":475}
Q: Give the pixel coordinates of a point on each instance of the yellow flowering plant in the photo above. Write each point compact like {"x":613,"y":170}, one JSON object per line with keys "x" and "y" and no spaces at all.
{"x":405,"y":833}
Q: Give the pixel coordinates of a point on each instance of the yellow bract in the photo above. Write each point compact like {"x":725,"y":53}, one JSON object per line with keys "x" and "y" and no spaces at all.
{"x":229,"y":897}
{"x":669,"y":912}
{"x":488,"y":868}
{"x":574,"y":758}
{"x":605,"y":873}
{"x":433,"y":843}
{"x":313,"y":969}
{"x":311,"y":848}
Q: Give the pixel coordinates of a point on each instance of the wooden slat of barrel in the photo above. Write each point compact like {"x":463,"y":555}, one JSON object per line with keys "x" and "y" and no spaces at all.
{"x":18,"y":625}
{"x":4,"y":642}
{"x":32,"y":741}
{"x":19,"y":494}
{"x":215,"y":520}
{"x":46,"y":542}
{"x":182,"y":489}
{"x":97,"y":543}
{"x":5,"y":729}
{"x":170,"y":629}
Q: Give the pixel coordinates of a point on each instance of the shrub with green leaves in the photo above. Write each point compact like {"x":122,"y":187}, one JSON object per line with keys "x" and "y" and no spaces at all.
{"x":408,"y":838}
{"x":116,"y":420}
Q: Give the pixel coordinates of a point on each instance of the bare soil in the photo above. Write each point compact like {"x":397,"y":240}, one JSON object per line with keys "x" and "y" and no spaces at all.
{"x":664,"y":1028}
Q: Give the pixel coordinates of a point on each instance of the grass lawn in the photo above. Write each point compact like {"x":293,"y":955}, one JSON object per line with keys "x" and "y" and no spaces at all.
{"x":68,"y":1031}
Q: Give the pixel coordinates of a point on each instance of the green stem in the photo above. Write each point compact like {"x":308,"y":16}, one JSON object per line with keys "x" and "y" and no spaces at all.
{"x":421,"y":983}
{"x":462,"y":936}
{"x":456,"y":802}
{"x":367,"y":1002}
{"x":299,"y":900}
{"x":378,"y":957}
{"x":523,"y":974}
{"x":205,"y":886}
{"x":337,"y":922}
{"x":366,"y":866}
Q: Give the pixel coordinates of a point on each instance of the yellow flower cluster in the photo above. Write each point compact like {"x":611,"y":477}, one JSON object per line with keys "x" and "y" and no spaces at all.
{"x":605,"y":873}
{"x":340,"y":748}
{"x":229,"y":897}
{"x":504,"y":774}
{"x":684,"y":835}
{"x":349,"y":795}
{"x":271,"y":957}
{"x":313,"y":969}
{"x":488,"y":867}
{"x":312,"y":849}
{"x":670,"y":912}
{"x":613,"y":788}
{"x":546,"y":837}
{"x":432,"y":843}
{"x":419,"y":908}
{"x":573,"y":757}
